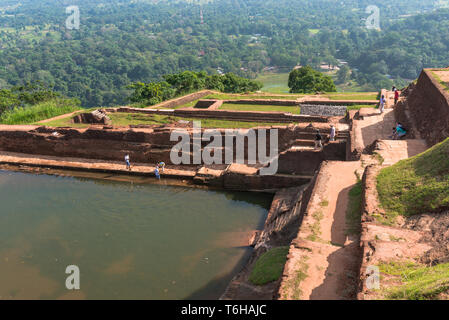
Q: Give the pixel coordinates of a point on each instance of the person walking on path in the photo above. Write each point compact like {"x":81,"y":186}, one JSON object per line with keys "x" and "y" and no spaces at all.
{"x":318,"y":140}
{"x":382,"y":104}
{"x":333,"y":133}
{"x":396,"y":96}
{"x":128,"y":164}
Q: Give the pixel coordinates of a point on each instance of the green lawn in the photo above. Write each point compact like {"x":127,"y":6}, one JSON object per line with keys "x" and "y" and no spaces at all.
{"x":224,"y":96}
{"x":353,"y":96}
{"x":268,"y":108}
{"x":121,"y":119}
{"x":274,"y":82}
{"x":418,"y":282}
{"x":269,"y":266}
{"x":360,"y":106}
{"x":38,"y":112}
{"x":416,"y":185}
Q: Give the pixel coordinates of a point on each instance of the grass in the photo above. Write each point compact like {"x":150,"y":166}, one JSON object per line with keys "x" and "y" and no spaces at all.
{"x":38,"y":112}
{"x":360,"y":106}
{"x":315,"y":228}
{"x":294,"y":285}
{"x":354,"y":210}
{"x":444,"y":84}
{"x":122,"y":119}
{"x":268,"y":108}
{"x":269,"y":266}
{"x":274,"y":82}
{"x":353,"y":96}
{"x":224,"y":96}
{"x":416,"y":185}
{"x":417,"y":282}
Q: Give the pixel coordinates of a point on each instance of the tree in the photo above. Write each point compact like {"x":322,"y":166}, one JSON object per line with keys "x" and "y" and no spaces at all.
{"x":343,"y":74}
{"x":308,"y":80}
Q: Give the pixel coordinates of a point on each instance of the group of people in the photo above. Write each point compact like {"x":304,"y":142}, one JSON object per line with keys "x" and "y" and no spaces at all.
{"x":382,"y":101}
{"x":160,"y":166}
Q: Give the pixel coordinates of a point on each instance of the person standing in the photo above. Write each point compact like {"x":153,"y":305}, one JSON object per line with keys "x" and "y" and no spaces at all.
{"x":318,"y":140}
{"x":333,"y":133}
{"x":382,"y":104}
{"x":156,"y":173}
{"x":161,"y":165}
{"x":396,"y":96}
{"x":128,"y":164}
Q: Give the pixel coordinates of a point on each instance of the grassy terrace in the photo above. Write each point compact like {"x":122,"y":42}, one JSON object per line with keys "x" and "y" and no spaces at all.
{"x":352,"y":96}
{"x":250,"y":107}
{"x":444,"y":84}
{"x":416,"y":185}
{"x":224,"y":96}
{"x":126,"y":119}
{"x":269,"y":266}
{"x":417,"y":282}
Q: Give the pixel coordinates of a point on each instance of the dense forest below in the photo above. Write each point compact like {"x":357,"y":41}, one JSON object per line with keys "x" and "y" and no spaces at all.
{"x":121,"y":42}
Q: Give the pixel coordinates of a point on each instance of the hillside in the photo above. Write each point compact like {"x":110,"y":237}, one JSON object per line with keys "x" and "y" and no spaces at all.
{"x":110,"y":50}
{"x":416,"y":185}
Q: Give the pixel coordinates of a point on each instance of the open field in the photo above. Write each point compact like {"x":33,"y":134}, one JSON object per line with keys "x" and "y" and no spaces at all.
{"x":274,"y":82}
{"x":225,"y":96}
{"x":268,"y":108}
{"x":126,"y":119}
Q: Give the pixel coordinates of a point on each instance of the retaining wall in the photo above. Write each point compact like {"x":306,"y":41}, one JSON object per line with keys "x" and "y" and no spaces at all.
{"x":428,"y":103}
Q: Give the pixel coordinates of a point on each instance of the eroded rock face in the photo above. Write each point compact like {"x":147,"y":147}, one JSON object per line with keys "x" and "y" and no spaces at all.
{"x":98,"y":116}
{"x":436,"y":231}
{"x":429,"y":108}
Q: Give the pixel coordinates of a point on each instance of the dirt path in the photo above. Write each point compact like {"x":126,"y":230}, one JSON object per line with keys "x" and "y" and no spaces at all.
{"x":324,"y":262}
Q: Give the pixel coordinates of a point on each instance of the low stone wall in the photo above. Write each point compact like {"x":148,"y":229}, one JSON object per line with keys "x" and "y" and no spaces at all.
{"x":183,"y":100}
{"x":281,"y":226}
{"x":259,"y":116}
{"x":428,"y":103}
{"x":307,"y":162}
{"x":265,"y":102}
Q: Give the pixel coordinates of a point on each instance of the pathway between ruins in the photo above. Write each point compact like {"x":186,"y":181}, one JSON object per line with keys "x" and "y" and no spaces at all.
{"x":324,"y":259}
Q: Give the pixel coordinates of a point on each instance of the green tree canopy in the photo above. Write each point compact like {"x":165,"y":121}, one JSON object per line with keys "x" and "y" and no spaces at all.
{"x":308,"y":80}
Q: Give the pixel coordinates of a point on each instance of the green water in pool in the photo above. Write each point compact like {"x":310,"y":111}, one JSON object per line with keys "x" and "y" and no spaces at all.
{"x":130,"y":241}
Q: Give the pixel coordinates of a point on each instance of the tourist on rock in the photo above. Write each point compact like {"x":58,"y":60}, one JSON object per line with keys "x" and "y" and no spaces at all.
{"x":161,"y":165}
{"x":318,"y":139}
{"x":382,"y":104}
{"x":333,"y":133}
{"x":128,"y":164}
{"x":396,"y":97}
{"x":156,"y":173}
{"x":400,"y":131}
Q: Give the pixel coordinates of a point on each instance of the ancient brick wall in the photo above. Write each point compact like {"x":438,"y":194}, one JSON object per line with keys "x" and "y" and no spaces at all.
{"x":428,"y":104}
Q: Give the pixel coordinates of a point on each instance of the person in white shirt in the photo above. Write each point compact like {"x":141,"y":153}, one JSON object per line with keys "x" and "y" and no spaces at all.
{"x":128,"y":164}
{"x":333,"y":133}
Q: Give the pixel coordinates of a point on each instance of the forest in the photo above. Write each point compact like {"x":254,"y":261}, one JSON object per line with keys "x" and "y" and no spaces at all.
{"x":123,"y":42}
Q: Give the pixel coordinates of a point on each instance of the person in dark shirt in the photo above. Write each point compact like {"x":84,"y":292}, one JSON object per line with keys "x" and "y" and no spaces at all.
{"x":396,"y":96}
{"x":318,"y":140}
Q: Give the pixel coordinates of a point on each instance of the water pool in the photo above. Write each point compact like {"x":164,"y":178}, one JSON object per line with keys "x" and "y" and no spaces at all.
{"x":130,"y":241}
